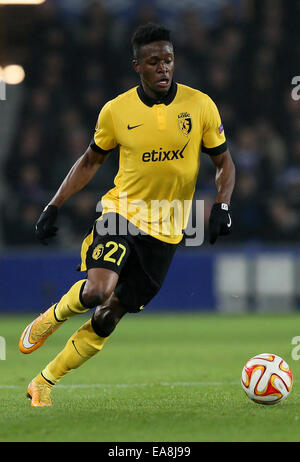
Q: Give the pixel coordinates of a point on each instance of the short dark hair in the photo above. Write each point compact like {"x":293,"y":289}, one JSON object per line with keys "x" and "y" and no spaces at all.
{"x":148,"y":33}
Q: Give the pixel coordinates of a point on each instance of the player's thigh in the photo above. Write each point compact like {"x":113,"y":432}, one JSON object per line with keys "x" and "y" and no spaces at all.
{"x":104,"y":258}
{"x":144,"y":272}
{"x":99,"y":286}
{"x":103,"y":247}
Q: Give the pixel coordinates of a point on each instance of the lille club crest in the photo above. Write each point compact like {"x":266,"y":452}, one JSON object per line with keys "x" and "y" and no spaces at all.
{"x":98,"y":251}
{"x":185,"y":123}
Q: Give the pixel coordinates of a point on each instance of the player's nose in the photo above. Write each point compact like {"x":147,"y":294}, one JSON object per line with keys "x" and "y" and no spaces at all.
{"x":162,"y":67}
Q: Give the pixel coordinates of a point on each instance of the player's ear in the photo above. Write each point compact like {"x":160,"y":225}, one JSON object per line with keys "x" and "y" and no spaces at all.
{"x":136,"y":65}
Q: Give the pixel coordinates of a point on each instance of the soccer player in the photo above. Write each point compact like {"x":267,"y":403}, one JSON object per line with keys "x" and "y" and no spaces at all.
{"x":161,"y":127}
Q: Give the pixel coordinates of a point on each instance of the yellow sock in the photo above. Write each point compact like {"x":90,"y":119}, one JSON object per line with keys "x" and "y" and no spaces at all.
{"x":83,"y":344}
{"x":70,"y":304}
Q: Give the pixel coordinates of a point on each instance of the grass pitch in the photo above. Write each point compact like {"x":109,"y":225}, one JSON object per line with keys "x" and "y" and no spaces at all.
{"x":159,"y":378}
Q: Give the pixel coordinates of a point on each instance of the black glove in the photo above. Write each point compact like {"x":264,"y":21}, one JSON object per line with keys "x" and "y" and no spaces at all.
{"x":44,"y":228}
{"x":219,"y":221}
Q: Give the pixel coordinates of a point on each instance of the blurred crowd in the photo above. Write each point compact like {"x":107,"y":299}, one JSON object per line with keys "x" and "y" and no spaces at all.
{"x":244,"y":60}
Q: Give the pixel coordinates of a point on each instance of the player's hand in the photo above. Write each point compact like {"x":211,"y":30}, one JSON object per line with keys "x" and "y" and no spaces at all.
{"x":219,"y":221}
{"x":45,"y":229}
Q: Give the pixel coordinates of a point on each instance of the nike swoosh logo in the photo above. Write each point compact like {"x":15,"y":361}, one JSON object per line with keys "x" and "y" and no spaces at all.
{"x":25,"y":341}
{"x":68,"y":306}
{"x":76,"y":348}
{"x":133,"y":126}
{"x":184,"y":148}
{"x":229,"y":224}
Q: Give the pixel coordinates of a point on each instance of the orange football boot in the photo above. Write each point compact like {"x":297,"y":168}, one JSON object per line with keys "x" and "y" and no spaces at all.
{"x":39,"y":391}
{"x":38,"y":331}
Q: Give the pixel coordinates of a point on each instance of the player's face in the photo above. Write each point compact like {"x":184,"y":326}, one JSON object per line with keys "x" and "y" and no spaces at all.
{"x":155,"y":65}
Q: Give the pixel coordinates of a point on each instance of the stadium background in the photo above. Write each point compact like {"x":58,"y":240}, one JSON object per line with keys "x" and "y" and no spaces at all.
{"x":76,"y":56}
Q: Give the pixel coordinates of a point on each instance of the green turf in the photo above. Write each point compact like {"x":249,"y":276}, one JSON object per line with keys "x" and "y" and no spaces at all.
{"x":159,"y":378}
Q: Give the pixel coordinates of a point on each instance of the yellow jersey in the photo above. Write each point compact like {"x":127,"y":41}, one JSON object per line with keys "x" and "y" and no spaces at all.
{"x":160,"y":145}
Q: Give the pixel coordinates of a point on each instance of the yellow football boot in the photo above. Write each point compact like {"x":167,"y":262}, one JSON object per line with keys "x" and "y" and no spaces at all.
{"x":39,"y":391}
{"x":38,"y":331}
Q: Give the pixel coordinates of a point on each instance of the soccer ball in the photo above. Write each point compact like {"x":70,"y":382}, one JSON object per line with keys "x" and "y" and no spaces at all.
{"x":267,"y":379}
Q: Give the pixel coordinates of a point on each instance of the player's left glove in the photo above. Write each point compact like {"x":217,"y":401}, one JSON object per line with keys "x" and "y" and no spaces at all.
{"x":45,"y":228}
{"x":219,"y":221}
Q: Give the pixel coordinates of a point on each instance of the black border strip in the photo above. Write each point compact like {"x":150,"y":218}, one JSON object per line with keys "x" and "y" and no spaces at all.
{"x":97,"y":148}
{"x":215,"y":151}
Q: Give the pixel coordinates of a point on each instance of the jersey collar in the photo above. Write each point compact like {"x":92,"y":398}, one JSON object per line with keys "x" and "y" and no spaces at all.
{"x":165,"y":100}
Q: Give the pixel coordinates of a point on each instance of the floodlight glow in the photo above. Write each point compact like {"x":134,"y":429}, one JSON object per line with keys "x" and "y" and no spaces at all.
{"x":21,"y":2}
{"x":13,"y":74}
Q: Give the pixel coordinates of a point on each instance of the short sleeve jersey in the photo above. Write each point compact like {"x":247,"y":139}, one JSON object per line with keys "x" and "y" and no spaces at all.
{"x":160,"y":145}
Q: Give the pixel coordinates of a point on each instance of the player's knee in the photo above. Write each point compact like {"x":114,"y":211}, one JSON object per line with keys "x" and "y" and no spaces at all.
{"x":93,"y":295}
{"x":105,"y":319}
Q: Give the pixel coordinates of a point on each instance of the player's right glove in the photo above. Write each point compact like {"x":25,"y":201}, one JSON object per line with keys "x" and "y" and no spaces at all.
{"x":45,"y":229}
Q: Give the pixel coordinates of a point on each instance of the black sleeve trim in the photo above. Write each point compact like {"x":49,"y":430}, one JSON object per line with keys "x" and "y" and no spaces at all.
{"x":96,"y":148}
{"x":215,"y":151}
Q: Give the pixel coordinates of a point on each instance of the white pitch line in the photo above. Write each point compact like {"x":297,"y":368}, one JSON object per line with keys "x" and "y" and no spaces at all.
{"x":149,"y":384}
{"x":134,"y":385}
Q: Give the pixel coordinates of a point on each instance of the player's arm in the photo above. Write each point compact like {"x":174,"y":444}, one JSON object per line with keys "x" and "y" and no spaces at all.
{"x":225,"y":176}
{"x":80,"y":174}
{"x":220,"y":216}
{"x":78,"y":177}
{"x":214,"y":144}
